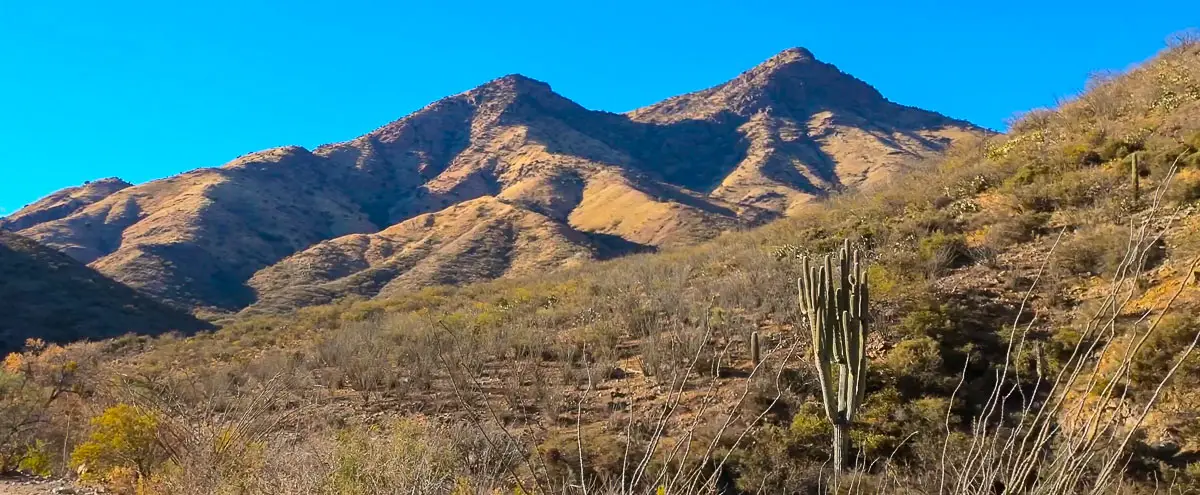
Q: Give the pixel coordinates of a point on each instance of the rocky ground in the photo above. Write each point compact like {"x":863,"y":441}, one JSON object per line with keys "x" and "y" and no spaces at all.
{"x":30,"y":485}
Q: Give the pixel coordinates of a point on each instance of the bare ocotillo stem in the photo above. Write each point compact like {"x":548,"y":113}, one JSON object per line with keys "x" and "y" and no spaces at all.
{"x":835,"y":304}
{"x":1135,"y":177}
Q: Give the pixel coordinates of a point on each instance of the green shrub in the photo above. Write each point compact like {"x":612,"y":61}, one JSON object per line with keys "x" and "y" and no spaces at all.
{"x":603,"y":457}
{"x":920,"y":358}
{"x":1119,"y":149}
{"x":123,"y":439}
{"x":1160,"y":351}
{"x":1081,"y":155}
{"x":36,"y":459}
{"x":810,"y":427}
{"x":776,"y":463}
{"x":1185,"y":188}
{"x":926,"y":319}
{"x":1026,"y":175}
{"x":879,"y":430}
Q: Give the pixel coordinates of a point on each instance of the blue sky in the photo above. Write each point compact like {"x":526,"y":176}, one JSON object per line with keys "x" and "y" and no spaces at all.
{"x":143,"y":90}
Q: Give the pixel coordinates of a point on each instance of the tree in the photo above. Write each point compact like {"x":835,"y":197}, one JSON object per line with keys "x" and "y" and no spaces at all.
{"x":124,"y":438}
{"x":30,"y":383}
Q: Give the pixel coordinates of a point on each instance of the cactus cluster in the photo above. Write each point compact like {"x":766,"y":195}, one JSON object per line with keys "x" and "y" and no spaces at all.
{"x":835,"y":304}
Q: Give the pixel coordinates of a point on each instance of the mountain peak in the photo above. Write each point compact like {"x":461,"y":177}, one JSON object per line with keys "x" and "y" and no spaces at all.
{"x":794,"y":65}
{"x":109,"y":181}
{"x":791,"y":81}
{"x":513,"y":85}
{"x":798,"y":60}
{"x":519,"y":78}
{"x":794,"y":54}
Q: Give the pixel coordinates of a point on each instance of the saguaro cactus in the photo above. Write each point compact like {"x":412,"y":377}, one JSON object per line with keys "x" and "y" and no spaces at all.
{"x":835,"y":305}
{"x":755,"y":349}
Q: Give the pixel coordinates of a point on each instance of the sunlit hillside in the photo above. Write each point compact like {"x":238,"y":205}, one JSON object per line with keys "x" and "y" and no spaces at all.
{"x":1034,"y":309}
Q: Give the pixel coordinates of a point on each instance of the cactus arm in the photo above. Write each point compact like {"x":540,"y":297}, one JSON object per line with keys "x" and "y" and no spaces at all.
{"x":809,"y":296}
{"x":863,"y":322}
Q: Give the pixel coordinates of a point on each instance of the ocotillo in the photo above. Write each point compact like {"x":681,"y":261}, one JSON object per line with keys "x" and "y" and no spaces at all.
{"x":1135,"y":177}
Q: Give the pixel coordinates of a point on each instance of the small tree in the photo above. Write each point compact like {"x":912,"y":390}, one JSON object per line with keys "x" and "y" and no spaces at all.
{"x":124,"y":438}
{"x":836,"y":310}
{"x":30,"y":383}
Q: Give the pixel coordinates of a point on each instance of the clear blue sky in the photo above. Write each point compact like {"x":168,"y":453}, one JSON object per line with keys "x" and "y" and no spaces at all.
{"x":143,"y":90}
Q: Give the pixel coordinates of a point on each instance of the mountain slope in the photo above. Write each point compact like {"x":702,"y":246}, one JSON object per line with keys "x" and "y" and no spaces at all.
{"x":810,"y":128}
{"x":476,"y":240}
{"x":781,"y":134}
{"x":47,"y":295}
{"x":195,"y":238}
{"x":62,"y":203}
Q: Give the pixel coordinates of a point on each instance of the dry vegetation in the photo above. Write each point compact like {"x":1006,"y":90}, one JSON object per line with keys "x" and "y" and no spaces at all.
{"x":1036,"y":326}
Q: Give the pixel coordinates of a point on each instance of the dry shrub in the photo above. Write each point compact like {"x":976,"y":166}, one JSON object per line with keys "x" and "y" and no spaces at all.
{"x":1014,"y":228}
{"x":1092,"y":251}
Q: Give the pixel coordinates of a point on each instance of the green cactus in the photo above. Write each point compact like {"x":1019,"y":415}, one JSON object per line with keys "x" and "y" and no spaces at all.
{"x":836,"y":311}
{"x":755,"y":349}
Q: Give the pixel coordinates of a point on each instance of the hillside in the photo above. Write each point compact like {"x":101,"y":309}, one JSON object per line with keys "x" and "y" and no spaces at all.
{"x":49,"y":296}
{"x":599,"y":184}
{"x":62,"y":204}
{"x":1033,"y":305}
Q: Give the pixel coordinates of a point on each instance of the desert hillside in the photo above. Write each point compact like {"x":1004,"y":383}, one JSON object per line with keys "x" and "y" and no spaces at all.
{"x":258,"y":230}
{"x":1033,"y":313}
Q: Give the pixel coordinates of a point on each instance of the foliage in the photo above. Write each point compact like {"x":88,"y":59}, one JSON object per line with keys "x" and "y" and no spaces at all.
{"x":31,"y":383}
{"x":407,"y":457}
{"x":123,"y":440}
{"x":36,"y":459}
{"x":1094,"y":251}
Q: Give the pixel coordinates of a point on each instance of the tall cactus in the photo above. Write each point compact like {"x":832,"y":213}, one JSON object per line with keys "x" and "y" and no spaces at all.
{"x":755,"y":349}
{"x":835,"y":305}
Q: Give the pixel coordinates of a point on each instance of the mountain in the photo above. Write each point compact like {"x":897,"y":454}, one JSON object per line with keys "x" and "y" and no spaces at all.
{"x":475,"y":240}
{"x":808,"y":129}
{"x":48,"y":295}
{"x":62,"y":203}
{"x":508,"y":178}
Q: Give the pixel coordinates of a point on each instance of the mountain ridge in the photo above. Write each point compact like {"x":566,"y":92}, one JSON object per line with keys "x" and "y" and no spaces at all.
{"x":784,"y":133}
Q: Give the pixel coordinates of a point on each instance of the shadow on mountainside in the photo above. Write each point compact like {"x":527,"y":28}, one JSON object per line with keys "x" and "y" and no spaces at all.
{"x":47,"y":295}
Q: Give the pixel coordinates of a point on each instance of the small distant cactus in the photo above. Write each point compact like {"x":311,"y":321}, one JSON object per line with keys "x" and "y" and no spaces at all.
{"x":835,"y":305}
{"x":755,"y":349}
